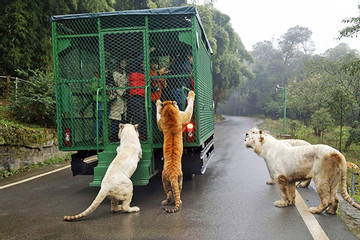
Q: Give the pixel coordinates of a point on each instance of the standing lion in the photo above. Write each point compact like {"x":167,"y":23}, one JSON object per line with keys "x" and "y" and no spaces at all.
{"x":289,"y":164}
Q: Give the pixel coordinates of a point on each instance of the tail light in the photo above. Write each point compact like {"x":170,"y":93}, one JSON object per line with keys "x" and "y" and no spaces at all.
{"x":190,"y":129}
{"x":67,"y":137}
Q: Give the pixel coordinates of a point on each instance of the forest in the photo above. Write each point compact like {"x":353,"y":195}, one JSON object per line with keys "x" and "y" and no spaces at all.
{"x":26,"y":48}
{"x":322,"y":90}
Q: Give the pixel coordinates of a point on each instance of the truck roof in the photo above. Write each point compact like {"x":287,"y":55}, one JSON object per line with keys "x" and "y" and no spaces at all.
{"x":187,"y":10}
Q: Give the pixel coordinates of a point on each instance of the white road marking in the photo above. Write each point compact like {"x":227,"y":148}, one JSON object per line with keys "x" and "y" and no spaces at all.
{"x":312,"y":224}
{"x":34,"y":177}
{"x":43,"y":174}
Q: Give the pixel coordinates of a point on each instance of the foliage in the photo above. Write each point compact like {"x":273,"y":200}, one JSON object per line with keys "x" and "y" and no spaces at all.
{"x":5,"y":114}
{"x":326,"y":85}
{"x":274,"y":66}
{"x":296,"y":40}
{"x":13,"y":133}
{"x":354,"y":136}
{"x":321,"y":121}
{"x":352,"y":30}
{"x":26,"y":32}
{"x":35,"y":102}
{"x":273,"y":109}
{"x":230,"y":55}
{"x":22,"y":40}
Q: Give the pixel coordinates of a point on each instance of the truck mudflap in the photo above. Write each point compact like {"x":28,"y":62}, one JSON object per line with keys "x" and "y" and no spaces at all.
{"x":196,"y":159}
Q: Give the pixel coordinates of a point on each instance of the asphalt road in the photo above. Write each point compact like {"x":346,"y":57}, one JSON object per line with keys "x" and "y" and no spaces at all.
{"x":231,"y":201}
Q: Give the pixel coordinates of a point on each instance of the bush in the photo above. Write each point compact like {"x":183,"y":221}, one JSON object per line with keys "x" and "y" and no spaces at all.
{"x":35,"y":102}
{"x":273,"y":110}
{"x":354,"y":137}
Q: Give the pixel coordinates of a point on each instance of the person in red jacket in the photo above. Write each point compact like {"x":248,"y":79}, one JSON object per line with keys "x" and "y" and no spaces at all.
{"x":137,"y":112}
{"x":157,"y":84}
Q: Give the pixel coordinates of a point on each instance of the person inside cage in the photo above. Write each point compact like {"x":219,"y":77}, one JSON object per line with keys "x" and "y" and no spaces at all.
{"x":157,"y":84}
{"x":136,"y":106}
{"x":109,"y":82}
{"x":118,"y":104}
{"x":181,"y":64}
{"x":97,"y":105}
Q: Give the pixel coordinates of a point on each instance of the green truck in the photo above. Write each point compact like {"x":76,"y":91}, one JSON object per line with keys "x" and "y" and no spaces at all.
{"x":111,"y":67}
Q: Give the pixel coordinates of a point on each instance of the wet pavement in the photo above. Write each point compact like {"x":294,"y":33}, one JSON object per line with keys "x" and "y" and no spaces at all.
{"x":231,"y":201}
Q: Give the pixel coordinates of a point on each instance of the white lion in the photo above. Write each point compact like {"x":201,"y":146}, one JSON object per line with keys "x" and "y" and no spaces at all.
{"x":116,"y":184}
{"x":293,"y":142}
{"x":288,"y":164}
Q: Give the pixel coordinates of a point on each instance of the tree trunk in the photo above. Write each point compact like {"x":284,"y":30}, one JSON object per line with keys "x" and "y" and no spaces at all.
{"x":7,"y":90}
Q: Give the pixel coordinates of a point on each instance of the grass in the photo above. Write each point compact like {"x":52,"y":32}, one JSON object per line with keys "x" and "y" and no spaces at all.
{"x":5,"y":113}
{"x":299,"y":131}
{"x":14,"y":132}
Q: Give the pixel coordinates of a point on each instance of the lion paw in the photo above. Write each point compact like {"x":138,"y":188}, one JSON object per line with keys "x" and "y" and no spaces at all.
{"x":191,"y":95}
{"x":280,"y":203}
{"x":131,"y":209}
{"x":304,"y":184}
{"x":291,"y":202}
{"x":314,"y":210}
{"x":270,"y":182}
{"x":331,"y":211}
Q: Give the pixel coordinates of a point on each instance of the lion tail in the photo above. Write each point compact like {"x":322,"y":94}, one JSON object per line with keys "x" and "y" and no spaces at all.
{"x":99,"y":198}
{"x":343,"y":189}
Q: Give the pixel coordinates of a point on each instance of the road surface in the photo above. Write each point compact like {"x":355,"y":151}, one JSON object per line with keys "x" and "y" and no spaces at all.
{"x":231,"y":201}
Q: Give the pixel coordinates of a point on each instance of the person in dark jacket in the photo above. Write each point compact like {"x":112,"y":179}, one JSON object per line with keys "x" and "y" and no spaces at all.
{"x":181,"y":65}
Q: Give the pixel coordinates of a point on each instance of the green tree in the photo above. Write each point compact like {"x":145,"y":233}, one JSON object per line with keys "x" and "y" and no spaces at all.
{"x":339,"y":102}
{"x":35,"y":100}
{"x":230,"y":55}
{"x":293,"y":45}
{"x":274,"y":66}
{"x":352,"y":30}
{"x":297,"y":39}
{"x":321,"y":121}
{"x":22,"y":38}
{"x":136,"y":4}
{"x":327,"y":87}
{"x":25,"y":30}
{"x":315,"y":91}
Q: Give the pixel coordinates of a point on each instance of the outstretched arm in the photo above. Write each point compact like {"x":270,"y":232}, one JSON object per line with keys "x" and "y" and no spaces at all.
{"x":186,"y":115}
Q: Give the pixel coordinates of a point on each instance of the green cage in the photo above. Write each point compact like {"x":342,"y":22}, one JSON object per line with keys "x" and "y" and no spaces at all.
{"x":111,"y":67}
